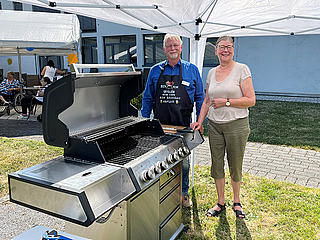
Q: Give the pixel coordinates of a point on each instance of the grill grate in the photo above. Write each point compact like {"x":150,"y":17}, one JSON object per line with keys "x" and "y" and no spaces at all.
{"x":124,"y":150}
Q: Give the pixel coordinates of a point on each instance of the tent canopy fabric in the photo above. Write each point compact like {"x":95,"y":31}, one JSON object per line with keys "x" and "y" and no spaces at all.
{"x":200,"y":19}
{"x":30,"y":33}
{"x":214,"y":17}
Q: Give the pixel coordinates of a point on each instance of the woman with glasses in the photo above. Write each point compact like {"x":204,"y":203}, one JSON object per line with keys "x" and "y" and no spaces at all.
{"x":229,"y":95}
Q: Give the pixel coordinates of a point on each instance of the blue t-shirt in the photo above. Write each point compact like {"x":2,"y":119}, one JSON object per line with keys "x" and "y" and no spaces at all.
{"x":190,"y":74}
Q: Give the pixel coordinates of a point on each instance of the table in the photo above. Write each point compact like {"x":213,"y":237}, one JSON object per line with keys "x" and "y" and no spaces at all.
{"x":38,"y":231}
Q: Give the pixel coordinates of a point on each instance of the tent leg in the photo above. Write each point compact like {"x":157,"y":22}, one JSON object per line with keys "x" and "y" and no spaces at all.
{"x":194,"y":117}
{"x":19,"y":63}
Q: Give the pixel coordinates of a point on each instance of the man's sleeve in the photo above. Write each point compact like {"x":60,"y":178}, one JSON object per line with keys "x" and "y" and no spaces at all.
{"x":148,"y":96}
{"x":199,"y":92}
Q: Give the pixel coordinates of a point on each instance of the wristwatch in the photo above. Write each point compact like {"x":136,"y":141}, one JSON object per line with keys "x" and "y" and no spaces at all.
{"x":228,"y":103}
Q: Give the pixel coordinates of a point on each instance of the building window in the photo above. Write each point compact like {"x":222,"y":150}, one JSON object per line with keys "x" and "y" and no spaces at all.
{"x":87,"y":24}
{"x":42,"y":9}
{"x":17,"y":6}
{"x":153,"y":49}
{"x":89,"y":50}
{"x":210,"y":58}
{"x":120,"y":49}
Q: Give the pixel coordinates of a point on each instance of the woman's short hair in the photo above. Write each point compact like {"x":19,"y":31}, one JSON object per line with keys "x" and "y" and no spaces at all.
{"x":10,"y":73}
{"x":171,"y":36}
{"x":225,"y":38}
{"x":50,"y":63}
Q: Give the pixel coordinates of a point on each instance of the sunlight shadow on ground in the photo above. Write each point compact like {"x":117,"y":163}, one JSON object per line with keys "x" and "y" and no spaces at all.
{"x":223,"y":228}
{"x":195,"y":212}
{"x":242,"y":231}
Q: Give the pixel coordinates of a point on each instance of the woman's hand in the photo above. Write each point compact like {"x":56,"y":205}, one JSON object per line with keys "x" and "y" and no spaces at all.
{"x":218,"y":102}
{"x":197,"y":126}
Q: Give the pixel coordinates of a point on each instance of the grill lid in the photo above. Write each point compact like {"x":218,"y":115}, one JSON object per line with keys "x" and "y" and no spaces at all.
{"x":81,"y":101}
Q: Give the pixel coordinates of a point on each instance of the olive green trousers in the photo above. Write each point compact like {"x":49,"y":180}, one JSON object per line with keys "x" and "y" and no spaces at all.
{"x":229,"y":138}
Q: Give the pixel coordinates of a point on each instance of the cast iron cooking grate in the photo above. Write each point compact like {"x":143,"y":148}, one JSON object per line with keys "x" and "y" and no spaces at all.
{"x":124,"y":150}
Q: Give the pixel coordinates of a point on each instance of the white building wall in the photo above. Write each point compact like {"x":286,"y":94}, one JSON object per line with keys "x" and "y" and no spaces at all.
{"x":287,"y":64}
{"x":281,"y":64}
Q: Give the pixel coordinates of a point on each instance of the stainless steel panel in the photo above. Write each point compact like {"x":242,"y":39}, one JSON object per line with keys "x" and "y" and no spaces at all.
{"x":172,"y":227}
{"x":56,"y":183}
{"x":149,"y":160}
{"x":50,"y":200}
{"x":92,"y":107}
{"x":174,"y":171}
{"x":144,"y":214}
{"x":169,"y":185}
{"x":170,"y":203}
{"x":114,"y":228}
{"x":193,"y":138}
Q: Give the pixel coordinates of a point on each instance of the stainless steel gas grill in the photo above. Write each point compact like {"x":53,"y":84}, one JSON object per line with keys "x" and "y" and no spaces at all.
{"x":119,"y":177}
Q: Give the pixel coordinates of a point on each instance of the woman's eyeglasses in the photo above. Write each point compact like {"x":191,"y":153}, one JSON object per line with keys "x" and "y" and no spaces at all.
{"x":222,"y":47}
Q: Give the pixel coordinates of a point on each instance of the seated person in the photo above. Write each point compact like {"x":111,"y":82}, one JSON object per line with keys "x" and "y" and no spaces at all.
{"x":26,"y":101}
{"x":8,"y":87}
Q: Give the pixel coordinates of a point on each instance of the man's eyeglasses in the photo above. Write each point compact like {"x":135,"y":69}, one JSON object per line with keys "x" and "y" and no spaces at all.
{"x":222,"y":47}
{"x":173,"y":46}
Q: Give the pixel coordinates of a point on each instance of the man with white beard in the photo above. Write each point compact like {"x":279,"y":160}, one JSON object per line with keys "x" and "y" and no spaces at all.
{"x":172,"y":88}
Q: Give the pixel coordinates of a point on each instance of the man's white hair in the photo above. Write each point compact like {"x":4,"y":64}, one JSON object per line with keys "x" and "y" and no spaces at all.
{"x":171,"y":36}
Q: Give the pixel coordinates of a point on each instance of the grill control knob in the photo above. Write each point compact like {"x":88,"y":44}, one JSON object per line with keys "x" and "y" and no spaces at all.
{"x":147,"y":175}
{"x":164,"y":165}
{"x":176,"y":156}
{"x":158,"y":168}
{"x":170,"y":159}
{"x":183,"y":152}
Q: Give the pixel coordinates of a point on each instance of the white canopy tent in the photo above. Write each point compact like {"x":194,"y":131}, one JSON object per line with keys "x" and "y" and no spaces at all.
{"x":199,"y":19}
{"x":40,"y":34}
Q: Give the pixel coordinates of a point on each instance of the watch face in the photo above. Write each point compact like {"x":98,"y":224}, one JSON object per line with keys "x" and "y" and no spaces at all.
{"x":227,"y":104}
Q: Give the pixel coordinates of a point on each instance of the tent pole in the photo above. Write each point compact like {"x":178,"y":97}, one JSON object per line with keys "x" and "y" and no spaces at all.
{"x":19,"y":63}
{"x":35,"y":64}
{"x":194,"y":112}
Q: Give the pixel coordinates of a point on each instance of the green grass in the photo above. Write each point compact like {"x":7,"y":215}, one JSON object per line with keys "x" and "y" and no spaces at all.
{"x":275,"y":210}
{"x":19,"y":154}
{"x":285,"y":123}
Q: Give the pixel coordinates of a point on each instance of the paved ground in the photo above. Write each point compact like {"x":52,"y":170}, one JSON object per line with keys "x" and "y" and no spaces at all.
{"x":289,"y":164}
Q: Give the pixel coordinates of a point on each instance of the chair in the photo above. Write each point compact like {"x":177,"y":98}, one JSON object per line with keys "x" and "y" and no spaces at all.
{"x":7,"y":108}
{"x":34,"y":106}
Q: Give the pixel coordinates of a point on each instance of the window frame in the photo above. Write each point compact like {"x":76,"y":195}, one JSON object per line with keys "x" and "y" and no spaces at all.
{"x":17,"y":6}
{"x":43,"y":9}
{"x":112,"y":45}
{"x":90,"y":46}
{"x":154,"y":47}
{"x":85,"y":18}
{"x":212,"y":40}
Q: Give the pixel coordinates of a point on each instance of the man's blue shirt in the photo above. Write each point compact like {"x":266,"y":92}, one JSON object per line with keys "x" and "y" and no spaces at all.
{"x":190,"y":74}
